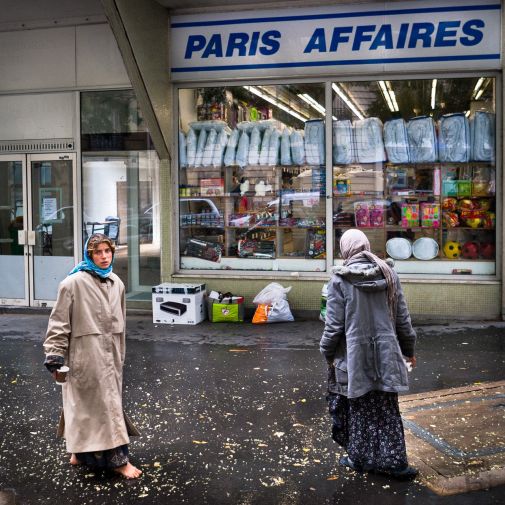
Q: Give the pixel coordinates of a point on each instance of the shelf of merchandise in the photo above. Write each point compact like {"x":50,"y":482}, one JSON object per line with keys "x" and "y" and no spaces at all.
{"x":271,"y":204}
{"x":344,"y":202}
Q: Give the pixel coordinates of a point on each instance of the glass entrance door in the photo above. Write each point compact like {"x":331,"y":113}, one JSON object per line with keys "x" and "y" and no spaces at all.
{"x":52,"y":234}
{"x":13,"y":253}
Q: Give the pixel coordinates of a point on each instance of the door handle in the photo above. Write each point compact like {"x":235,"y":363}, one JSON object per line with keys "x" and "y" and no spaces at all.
{"x":22,"y":237}
{"x":31,"y":237}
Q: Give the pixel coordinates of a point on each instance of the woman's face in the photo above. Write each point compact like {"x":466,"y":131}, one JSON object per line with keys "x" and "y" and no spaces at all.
{"x":102,"y":255}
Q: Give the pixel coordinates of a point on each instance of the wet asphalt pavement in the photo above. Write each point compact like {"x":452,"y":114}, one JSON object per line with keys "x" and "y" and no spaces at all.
{"x":229,"y":414}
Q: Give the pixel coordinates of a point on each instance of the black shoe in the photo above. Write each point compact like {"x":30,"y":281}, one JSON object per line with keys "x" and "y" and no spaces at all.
{"x":408,"y":473}
{"x":346,"y":461}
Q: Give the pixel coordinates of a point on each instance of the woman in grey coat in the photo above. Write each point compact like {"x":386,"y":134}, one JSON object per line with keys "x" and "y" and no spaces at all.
{"x":368,"y":340}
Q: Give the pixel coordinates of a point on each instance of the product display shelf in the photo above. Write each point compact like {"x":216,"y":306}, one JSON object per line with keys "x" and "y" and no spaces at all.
{"x":252,"y":201}
{"x":406,"y":187}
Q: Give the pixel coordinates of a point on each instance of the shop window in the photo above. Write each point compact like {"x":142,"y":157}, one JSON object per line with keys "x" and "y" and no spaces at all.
{"x":252,"y":178}
{"x":414,"y":168}
{"x":412,"y":165}
{"x":120,"y":186}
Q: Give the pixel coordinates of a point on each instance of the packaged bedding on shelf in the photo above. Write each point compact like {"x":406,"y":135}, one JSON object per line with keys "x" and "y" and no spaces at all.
{"x":482,"y":134}
{"x":423,"y":146}
{"x":297,"y":147}
{"x":343,"y":142}
{"x":396,"y":141}
{"x":286,"y":147}
{"x":242,"y":154}
{"x":314,"y":142}
{"x":231,"y":147}
{"x":265,"y":142}
{"x":221,"y":142}
{"x":254,"y":146}
{"x":191,"y":141}
{"x":368,"y":140}
{"x":454,"y":138}
{"x":208,"y":150}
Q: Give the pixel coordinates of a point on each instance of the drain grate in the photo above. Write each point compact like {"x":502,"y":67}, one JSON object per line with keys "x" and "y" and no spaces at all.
{"x":37,"y":146}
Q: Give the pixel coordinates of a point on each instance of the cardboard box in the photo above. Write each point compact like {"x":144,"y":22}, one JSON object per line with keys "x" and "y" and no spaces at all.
{"x":212,"y":187}
{"x":179,"y":303}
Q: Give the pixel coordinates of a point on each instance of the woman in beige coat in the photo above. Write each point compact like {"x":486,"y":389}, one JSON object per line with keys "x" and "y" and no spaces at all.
{"x":86,"y":332}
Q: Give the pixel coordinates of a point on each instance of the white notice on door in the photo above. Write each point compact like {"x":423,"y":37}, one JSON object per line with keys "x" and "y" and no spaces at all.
{"x":49,"y":208}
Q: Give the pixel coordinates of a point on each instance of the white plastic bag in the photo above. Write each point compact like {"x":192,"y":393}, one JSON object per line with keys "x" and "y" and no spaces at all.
{"x":280,"y":312}
{"x":272,"y":293}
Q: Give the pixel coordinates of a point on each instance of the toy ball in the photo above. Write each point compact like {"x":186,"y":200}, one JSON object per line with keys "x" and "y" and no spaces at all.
{"x":487,"y":250}
{"x":451,"y":219}
{"x":489,"y":220}
{"x":449,"y":203}
{"x":483,"y":204}
{"x":473,"y":222}
{"x":452,"y":249}
{"x":470,"y":250}
{"x":465,"y":204}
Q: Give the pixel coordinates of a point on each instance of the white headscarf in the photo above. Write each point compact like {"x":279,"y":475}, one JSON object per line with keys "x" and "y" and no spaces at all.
{"x":354,"y":244}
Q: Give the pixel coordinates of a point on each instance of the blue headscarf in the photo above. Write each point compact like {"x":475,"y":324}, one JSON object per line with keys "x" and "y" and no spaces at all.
{"x":89,"y":266}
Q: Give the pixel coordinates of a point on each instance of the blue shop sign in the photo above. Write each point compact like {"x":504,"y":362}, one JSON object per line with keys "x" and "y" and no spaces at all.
{"x":386,"y":36}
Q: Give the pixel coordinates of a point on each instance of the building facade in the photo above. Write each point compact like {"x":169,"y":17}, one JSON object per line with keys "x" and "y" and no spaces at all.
{"x":234,"y":148}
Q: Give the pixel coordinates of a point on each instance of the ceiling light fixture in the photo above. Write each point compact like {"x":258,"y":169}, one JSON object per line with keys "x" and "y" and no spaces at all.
{"x":433,"y":92}
{"x":275,"y":102}
{"x":347,"y":101}
{"x":475,"y":92}
{"x":385,"y":93}
{"x":313,"y":103}
{"x":479,"y":93}
{"x":392,"y":96}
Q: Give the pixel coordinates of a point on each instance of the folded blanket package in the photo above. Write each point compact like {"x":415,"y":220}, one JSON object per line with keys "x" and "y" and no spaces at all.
{"x":423,"y":145}
{"x":368,"y":140}
{"x":396,"y":141}
{"x":343,"y":142}
{"x":454,"y":138}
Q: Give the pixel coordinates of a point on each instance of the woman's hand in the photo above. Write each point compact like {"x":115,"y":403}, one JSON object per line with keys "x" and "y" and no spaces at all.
{"x":411,"y":360}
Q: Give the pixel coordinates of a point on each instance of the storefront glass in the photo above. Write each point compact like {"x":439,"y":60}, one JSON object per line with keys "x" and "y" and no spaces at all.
{"x":252,"y":178}
{"x":120,"y":185}
{"x":413,"y":166}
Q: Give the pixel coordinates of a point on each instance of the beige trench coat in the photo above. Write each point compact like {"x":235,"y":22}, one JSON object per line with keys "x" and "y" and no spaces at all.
{"x":87,"y":328}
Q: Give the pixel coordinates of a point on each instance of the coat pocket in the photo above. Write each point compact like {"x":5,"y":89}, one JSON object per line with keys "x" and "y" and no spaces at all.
{"x":341,"y":371}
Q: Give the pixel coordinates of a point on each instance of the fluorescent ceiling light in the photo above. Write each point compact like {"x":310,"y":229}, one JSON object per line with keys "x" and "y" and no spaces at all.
{"x":313,"y":103}
{"x":273,"y":101}
{"x":433,"y":92}
{"x":347,"y":100}
{"x":392,"y":96}
{"x":479,"y":93}
{"x":385,"y":92}
{"x":467,"y":113}
{"x":480,"y":82}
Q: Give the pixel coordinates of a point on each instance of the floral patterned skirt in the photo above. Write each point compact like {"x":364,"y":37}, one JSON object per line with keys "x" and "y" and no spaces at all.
{"x":370,"y":429}
{"x":102,"y":460}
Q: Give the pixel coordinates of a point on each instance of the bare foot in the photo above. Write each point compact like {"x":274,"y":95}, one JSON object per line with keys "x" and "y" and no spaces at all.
{"x":73,"y":460}
{"x":128,"y":471}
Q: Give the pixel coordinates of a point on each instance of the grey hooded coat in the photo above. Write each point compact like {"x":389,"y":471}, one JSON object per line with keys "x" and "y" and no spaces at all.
{"x":360,"y":342}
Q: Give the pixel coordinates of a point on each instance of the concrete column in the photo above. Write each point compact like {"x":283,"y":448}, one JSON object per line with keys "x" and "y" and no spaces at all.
{"x":141,"y":30}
